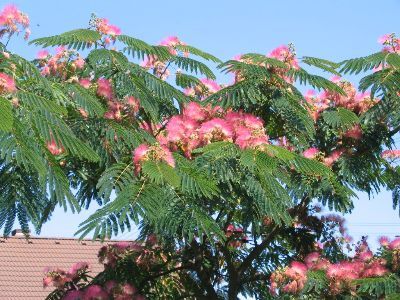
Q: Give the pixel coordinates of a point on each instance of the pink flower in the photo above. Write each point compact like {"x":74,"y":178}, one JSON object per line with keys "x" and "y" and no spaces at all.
{"x":336,"y":79}
{"x":54,"y":148}
{"x":194,"y":111}
{"x":211,"y":85}
{"x":95,"y":292}
{"x":170,"y":41}
{"x":42,"y":54}
{"x":390,"y":154}
{"x":395,"y":244}
{"x":384,"y":241}
{"x":110,"y":285}
{"x":311,"y":259}
{"x":216,"y":130}
{"x":311,"y":152}
{"x":140,"y":153}
{"x":77,"y":268}
{"x":133,"y":103}
{"x":128,"y":289}
{"x":74,"y":295}
{"x":354,"y":133}
{"x":366,"y":255}
{"x":386,"y":38}
{"x":104,"y":27}
{"x":155,"y":152}
{"x":85,"y":82}
{"x":333,"y":157}
{"x":104,"y":88}
{"x":11,"y":18}
{"x":7,"y":84}
{"x":79,"y":62}
{"x":298,"y":267}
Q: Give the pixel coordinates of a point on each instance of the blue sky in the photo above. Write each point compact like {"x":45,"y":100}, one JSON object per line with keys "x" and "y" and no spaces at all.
{"x":335,"y":30}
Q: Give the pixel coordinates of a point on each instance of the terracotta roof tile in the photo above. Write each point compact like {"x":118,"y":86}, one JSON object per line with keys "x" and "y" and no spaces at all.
{"x":23,"y":262}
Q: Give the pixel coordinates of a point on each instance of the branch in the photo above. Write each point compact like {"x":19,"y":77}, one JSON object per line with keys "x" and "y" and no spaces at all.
{"x":257,"y":250}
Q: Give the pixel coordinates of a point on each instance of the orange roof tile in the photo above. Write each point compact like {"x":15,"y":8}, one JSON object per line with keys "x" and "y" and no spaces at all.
{"x":22,"y":262}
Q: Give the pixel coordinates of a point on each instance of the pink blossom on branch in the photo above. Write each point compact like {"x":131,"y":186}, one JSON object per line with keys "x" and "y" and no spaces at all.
{"x":12,"y":21}
{"x":7,"y":84}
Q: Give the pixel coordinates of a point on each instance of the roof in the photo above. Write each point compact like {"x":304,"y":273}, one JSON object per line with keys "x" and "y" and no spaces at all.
{"x":24,"y":260}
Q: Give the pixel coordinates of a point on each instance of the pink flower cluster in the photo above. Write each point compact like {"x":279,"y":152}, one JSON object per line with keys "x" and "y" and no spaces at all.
{"x":236,"y":236}
{"x":58,"y":277}
{"x":171,"y":42}
{"x":328,"y":160}
{"x":155,"y":152}
{"x":116,"y":108}
{"x":390,"y":154}
{"x":292,"y":279}
{"x":111,"y":289}
{"x":390,"y":42}
{"x":199,"y":125}
{"x":284,"y":53}
{"x":109,"y":254}
{"x":160,"y":68}
{"x":391,"y":245}
{"x":203,"y":90}
{"x":54,"y":148}
{"x":12,"y":20}
{"x":7,"y":84}
{"x":352,"y":100}
{"x":63,"y":62}
{"x":104,"y":27}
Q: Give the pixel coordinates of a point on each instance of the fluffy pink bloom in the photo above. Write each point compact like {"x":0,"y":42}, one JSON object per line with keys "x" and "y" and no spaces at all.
{"x":366,"y":255}
{"x":110,"y":285}
{"x":285,"y":54}
{"x":386,"y":38}
{"x":103,"y":26}
{"x":104,"y":88}
{"x":42,"y":54}
{"x":298,"y":267}
{"x":333,"y":157}
{"x":10,"y":20}
{"x":54,"y":148}
{"x":336,"y":78}
{"x":384,"y":241}
{"x":311,"y":152}
{"x":170,"y":41}
{"x":375,"y":270}
{"x":7,"y":84}
{"x":354,"y":133}
{"x":85,"y":82}
{"x":140,"y":153}
{"x":156,"y":152}
{"x":79,"y":62}
{"x":134,"y":103}
{"x":390,"y":154}
{"x":311,"y":259}
{"x":95,"y":292}
{"x":395,"y":244}
{"x":128,"y":289}
{"x":216,"y":130}
{"x":194,"y":111}
{"x":74,"y":295}
{"x":78,"y":267}
{"x":211,"y":85}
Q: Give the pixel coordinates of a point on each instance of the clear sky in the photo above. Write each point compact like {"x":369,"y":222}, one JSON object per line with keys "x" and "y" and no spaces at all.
{"x":336,"y":30}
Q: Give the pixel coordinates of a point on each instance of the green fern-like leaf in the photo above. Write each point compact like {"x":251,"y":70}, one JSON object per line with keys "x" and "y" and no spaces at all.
{"x":6,"y":115}
{"x":78,"y":39}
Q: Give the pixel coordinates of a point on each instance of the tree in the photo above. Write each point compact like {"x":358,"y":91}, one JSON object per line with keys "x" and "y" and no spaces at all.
{"x":226,"y":182}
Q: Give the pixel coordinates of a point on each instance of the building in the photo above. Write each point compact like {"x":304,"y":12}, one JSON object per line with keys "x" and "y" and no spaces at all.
{"x":23,"y":260}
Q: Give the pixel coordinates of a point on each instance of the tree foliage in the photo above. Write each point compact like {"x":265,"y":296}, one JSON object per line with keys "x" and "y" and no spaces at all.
{"x":225,"y":182}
